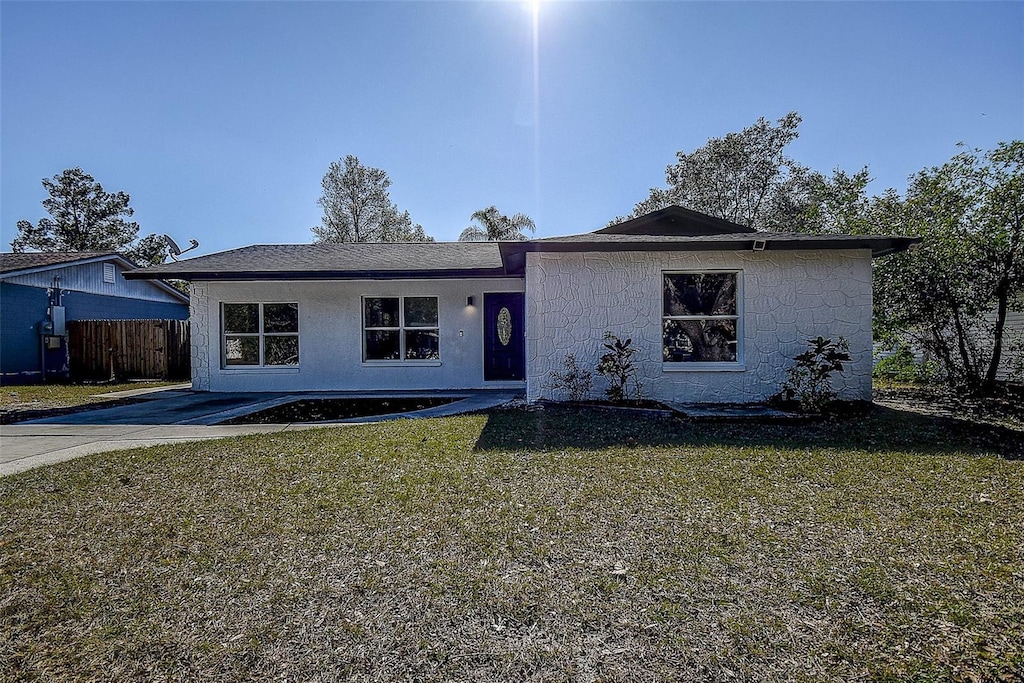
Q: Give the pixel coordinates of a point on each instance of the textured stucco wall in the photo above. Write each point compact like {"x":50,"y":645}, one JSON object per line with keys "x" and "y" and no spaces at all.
{"x":330,"y":336}
{"x":786,"y":297}
{"x":199,"y":335}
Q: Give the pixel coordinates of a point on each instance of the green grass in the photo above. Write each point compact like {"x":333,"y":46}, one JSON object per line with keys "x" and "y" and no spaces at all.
{"x":556,"y":545}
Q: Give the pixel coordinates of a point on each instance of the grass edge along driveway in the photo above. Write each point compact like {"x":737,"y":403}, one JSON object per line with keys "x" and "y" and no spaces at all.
{"x":556,"y":545}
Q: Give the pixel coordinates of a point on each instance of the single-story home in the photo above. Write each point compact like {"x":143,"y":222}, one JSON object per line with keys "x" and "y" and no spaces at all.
{"x":716,"y":310}
{"x":41,"y":291}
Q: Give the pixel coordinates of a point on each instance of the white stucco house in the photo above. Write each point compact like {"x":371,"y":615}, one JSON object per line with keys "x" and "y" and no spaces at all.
{"x":716,"y":310}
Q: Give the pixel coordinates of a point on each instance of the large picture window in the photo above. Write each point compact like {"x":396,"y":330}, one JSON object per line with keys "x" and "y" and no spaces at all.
{"x":700,"y":317}
{"x":400,"y":328}
{"x":257,"y":335}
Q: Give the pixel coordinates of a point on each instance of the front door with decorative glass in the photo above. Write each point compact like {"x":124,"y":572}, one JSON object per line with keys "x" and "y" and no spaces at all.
{"x":504,"y":337}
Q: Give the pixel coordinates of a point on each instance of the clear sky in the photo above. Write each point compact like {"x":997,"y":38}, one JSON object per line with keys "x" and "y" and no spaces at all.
{"x":220,"y":119}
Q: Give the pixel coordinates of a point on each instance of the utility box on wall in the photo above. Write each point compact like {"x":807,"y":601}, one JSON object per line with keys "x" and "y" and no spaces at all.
{"x":57,"y":315}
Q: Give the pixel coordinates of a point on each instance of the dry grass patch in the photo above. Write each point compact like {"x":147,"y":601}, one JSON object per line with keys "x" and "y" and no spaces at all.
{"x":554,"y":545}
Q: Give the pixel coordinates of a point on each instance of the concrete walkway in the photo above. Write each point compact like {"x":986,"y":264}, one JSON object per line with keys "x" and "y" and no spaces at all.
{"x":174,"y":415}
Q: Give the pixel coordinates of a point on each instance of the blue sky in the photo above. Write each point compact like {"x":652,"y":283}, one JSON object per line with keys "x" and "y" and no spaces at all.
{"x":220,"y":119}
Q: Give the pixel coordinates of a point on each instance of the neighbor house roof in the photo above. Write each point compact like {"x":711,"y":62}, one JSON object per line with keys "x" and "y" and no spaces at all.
{"x":346,"y":261}
{"x":670,"y":229}
{"x":13,"y":264}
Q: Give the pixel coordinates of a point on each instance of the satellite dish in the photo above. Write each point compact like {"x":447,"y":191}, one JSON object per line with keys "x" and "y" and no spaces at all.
{"x":176,"y":251}
{"x":172,"y":246}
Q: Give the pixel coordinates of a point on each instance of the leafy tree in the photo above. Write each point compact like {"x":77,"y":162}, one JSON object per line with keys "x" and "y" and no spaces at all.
{"x":952,"y":294}
{"x":495,"y":226}
{"x":743,"y":177}
{"x":358,"y":208}
{"x":148,"y":251}
{"x":85,"y":217}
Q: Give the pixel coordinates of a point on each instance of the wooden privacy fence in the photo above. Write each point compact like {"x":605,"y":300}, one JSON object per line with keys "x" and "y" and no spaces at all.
{"x":128,"y":349}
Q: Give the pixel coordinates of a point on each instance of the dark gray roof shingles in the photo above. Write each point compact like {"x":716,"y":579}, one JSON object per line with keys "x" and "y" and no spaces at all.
{"x":382,"y":257}
{"x":11,"y":261}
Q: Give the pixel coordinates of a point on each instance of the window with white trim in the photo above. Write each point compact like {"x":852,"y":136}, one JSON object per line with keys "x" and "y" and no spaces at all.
{"x":260,"y":335}
{"x":109,"y":273}
{"x":397,"y":328}
{"x":700,"y":317}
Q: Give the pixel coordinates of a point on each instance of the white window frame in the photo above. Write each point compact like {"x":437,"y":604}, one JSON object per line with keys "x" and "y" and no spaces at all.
{"x":402,"y":328}
{"x":109,"y":273}
{"x":708,"y":366}
{"x":259,"y":334}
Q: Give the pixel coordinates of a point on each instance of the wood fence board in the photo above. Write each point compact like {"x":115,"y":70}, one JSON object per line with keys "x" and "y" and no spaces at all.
{"x":129,"y":349}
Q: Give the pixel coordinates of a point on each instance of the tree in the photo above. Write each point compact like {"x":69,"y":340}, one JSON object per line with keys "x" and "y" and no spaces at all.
{"x":743,"y":177}
{"x":358,"y":208}
{"x":952,"y":294}
{"x":85,"y":217}
{"x":495,"y":227}
{"x":148,"y":251}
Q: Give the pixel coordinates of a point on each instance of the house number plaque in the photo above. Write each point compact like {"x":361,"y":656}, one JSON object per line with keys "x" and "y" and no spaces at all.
{"x":504,"y":326}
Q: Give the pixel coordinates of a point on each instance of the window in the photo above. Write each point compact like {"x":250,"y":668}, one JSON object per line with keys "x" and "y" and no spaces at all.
{"x":108,"y":273}
{"x":700,"y":318}
{"x":260,"y":334}
{"x":400,"y":328}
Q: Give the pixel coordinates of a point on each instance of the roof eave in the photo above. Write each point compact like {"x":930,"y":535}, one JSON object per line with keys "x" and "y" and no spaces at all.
{"x":263,"y":275}
{"x":512,"y":253}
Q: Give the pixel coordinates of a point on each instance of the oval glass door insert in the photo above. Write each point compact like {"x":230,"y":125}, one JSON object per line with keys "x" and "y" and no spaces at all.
{"x":504,"y":326}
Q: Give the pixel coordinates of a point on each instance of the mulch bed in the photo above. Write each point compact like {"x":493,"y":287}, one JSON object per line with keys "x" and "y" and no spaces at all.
{"x":333,"y":409}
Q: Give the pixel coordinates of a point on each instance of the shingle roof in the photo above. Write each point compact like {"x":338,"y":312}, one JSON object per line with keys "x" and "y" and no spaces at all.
{"x":514,"y":253}
{"x":780,"y":240}
{"x":10,"y":262}
{"x":675,"y":220}
{"x":338,"y":261}
{"x":671,"y":229}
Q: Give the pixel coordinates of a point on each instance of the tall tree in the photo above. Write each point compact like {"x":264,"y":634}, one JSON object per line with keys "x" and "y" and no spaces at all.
{"x":358,"y":208}
{"x":494,"y":226}
{"x":85,"y":217}
{"x":743,"y":177}
{"x":148,"y":251}
{"x":953,"y":293}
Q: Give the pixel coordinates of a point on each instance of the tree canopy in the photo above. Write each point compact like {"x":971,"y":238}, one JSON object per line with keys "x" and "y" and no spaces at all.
{"x":743,"y":177}
{"x":85,"y":217}
{"x":494,"y":226}
{"x":357,"y":207}
{"x":952,"y":294}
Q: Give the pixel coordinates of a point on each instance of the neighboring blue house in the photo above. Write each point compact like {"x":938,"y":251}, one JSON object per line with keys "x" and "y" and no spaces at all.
{"x":40,"y":291}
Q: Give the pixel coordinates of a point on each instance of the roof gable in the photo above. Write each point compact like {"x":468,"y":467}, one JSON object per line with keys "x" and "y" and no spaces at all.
{"x":27,"y":267}
{"x":675,"y":221}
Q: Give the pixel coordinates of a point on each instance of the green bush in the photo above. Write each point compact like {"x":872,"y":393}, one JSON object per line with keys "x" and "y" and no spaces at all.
{"x":902,"y":367}
{"x":809,"y":381}
{"x":618,"y":367}
{"x":574,"y":381}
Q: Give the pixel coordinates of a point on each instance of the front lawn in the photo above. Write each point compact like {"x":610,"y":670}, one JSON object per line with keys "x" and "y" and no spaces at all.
{"x":555,"y":545}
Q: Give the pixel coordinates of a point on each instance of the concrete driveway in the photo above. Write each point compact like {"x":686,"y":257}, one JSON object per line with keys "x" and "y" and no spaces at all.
{"x":176,"y":415}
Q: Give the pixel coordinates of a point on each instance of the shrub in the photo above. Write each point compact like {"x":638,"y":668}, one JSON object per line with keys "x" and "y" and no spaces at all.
{"x":809,"y":382}
{"x":617,"y":365}
{"x":574,"y":381}
{"x":902,"y":367}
